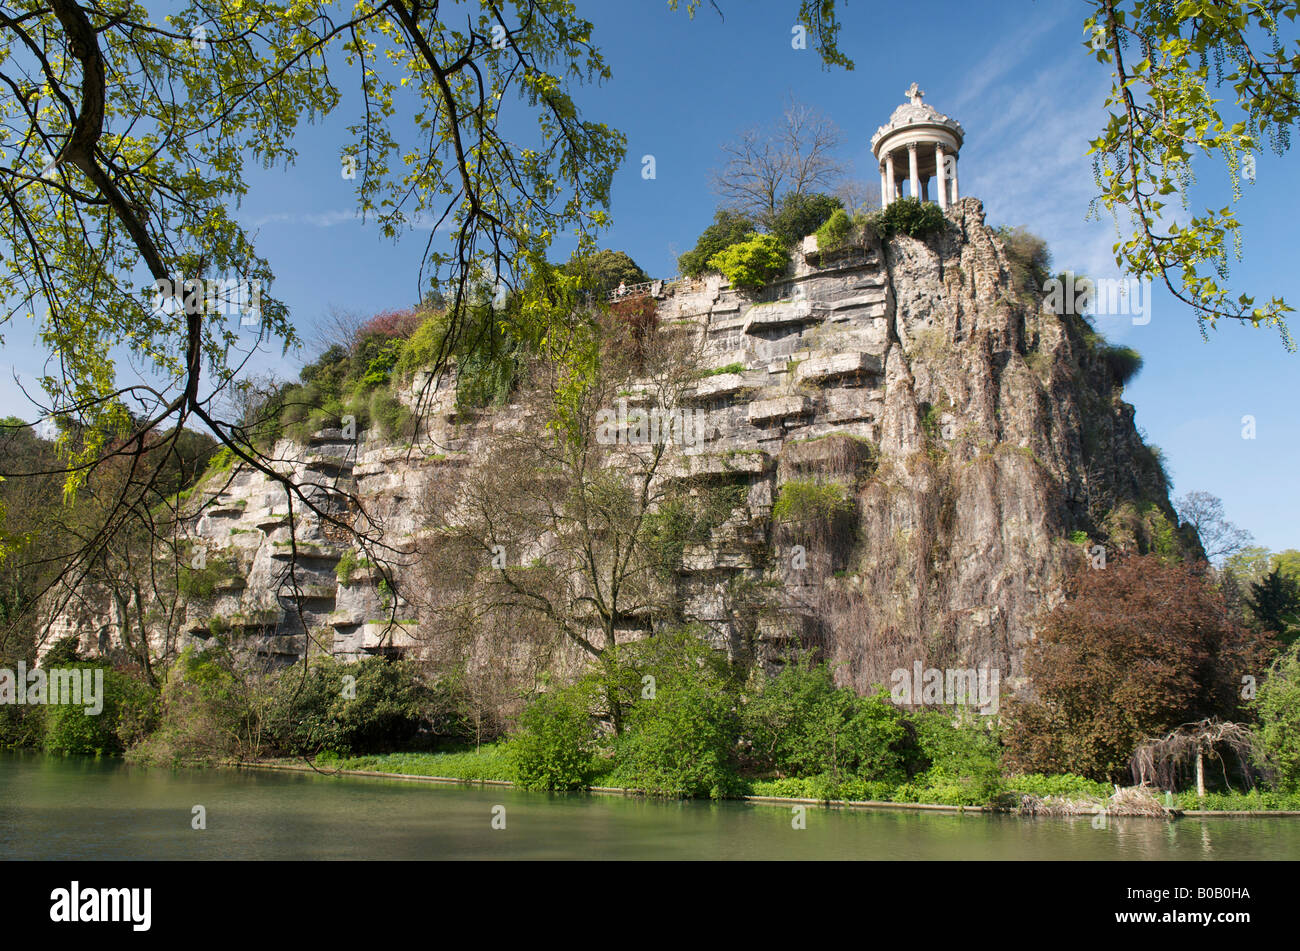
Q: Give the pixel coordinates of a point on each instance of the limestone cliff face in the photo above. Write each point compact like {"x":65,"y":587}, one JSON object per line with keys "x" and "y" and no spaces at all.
{"x":973,"y":432}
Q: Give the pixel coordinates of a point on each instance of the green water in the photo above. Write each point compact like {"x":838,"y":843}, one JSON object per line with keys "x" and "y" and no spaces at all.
{"x":53,"y":808}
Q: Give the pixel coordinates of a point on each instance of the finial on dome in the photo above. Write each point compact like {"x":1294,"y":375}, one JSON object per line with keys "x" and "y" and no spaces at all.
{"x":914,"y":92}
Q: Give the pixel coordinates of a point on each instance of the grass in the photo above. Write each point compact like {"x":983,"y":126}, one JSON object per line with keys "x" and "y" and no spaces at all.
{"x":1253,"y":801}
{"x":491,"y":763}
{"x":488,"y":762}
{"x":719,"y":371}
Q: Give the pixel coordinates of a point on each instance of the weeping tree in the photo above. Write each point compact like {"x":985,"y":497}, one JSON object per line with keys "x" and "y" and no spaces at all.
{"x":1166,"y":761}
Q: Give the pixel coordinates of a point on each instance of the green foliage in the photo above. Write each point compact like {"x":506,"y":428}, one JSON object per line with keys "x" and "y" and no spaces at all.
{"x":1079,"y":537}
{"x":909,"y":216}
{"x":1257,"y":800}
{"x":825,"y":788}
{"x":367,"y":706}
{"x":682,"y":729}
{"x":22,"y":727}
{"x":752,"y":262}
{"x":555,"y":745}
{"x":208,"y":715}
{"x":603,"y":271}
{"x":129,"y":712}
{"x":64,"y":653}
{"x":681,"y":521}
{"x":834,"y":234}
{"x":801,"y":724}
{"x":800,"y":215}
{"x":389,"y":414}
{"x":964,"y":754}
{"x":1063,"y":786}
{"x":348,"y":565}
{"x":728,"y":228}
{"x":200,"y":584}
{"x":423,"y":347}
{"x":379,"y":368}
{"x":1278,"y":705}
{"x":737,"y":367}
{"x":488,"y":762}
{"x":803,"y":501}
{"x":1207,"y":66}
{"x":1274,"y":601}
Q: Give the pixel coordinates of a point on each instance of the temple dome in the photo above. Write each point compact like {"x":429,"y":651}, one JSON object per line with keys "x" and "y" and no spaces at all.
{"x":913,"y":113}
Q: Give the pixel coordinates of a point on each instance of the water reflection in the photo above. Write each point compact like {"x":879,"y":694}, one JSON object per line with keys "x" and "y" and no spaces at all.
{"x":81,"y":808}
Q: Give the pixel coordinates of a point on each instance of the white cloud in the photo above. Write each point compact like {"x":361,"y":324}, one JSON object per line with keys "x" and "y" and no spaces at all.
{"x":323,"y":219}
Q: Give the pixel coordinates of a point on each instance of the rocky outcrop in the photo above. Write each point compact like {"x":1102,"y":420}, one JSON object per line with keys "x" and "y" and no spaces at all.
{"x":970,"y":433}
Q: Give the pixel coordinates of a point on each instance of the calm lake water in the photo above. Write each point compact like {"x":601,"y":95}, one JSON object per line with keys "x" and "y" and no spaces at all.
{"x":56,"y":808}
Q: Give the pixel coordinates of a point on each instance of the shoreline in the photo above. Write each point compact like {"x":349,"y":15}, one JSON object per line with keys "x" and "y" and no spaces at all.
{"x":773,"y":800}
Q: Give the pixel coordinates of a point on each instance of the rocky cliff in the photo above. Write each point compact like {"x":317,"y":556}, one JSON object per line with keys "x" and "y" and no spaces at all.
{"x":979,"y":437}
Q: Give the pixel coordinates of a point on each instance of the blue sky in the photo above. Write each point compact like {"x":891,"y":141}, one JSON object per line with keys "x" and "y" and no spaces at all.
{"x":1017,"y":76}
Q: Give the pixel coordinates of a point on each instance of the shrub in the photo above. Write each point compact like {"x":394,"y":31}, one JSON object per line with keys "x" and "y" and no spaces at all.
{"x":753,"y":262}
{"x":835,"y":233}
{"x":389,"y":414}
{"x":909,"y":216}
{"x":1278,"y":706}
{"x":385,"y":708}
{"x":801,"y":724}
{"x":391,"y":324}
{"x":728,"y":228}
{"x":21,"y":727}
{"x":1065,"y":786}
{"x":347,"y":563}
{"x":823,"y":787}
{"x":682,"y":742}
{"x":209,"y":714}
{"x":422,"y":347}
{"x":678,"y":701}
{"x":555,"y":745}
{"x":807,"y":500}
{"x":488,"y":762}
{"x":964,"y":755}
{"x":801,"y":215}
{"x":129,"y":712}
{"x":379,"y":368}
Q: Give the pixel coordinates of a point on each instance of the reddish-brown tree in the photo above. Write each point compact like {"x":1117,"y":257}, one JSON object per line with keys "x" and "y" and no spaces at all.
{"x":1135,"y":650}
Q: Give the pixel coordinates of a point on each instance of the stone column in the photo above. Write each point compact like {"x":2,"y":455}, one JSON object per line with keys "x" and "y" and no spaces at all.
{"x":887,"y":198}
{"x":939,"y":180}
{"x":916,"y":175}
{"x":884,"y":187}
{"x":955,"y":194}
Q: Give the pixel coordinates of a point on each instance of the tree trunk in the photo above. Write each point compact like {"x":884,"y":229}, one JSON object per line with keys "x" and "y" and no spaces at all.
{"x":1200,"y":773}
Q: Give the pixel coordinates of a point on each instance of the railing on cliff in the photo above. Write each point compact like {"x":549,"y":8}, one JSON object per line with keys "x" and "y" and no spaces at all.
{"x":659,"y":288}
